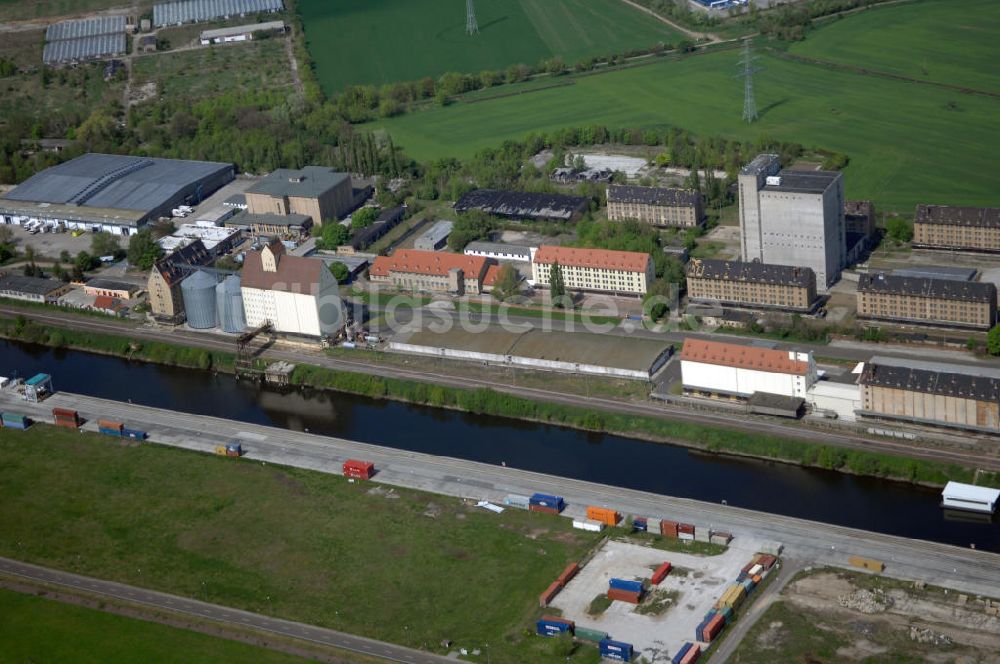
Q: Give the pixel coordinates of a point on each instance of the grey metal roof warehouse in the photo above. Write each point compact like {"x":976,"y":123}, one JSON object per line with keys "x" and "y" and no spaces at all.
{"x":623,"y":193}
{"x":83,"y":48}
{"x":523,"y":205}
{"x":85,"y":27}
{"x":235,"y":30}
{"x":308,"y":182}
{"x":192,"y":11}
{"x":948,"y":289}
{"x":116,"y":187}
{"x":751,"y":271}
{"x":953,"y":380}
{"x":16,"y":283}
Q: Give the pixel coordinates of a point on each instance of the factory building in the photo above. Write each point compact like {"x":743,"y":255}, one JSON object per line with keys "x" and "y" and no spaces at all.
{"x":954,"y":227}
{"x":657,"y":206}
{"x":114,"y":193}
{"x":751,"y":284}
{"x":836,"y":398}
{"x":217,"y":240}
{"x":295,"y":294}
{"x":951,"y":395}
{"x":524,"y":205}
{"x":793,"y":218}
{"x":120,"y":290}
{"x":31,"y":289}
{"x":317,"y":192}
{"x":971,"y":304}
{"x":435,"y":238}
{"x":272,"y":225}
{"x":431,"y":271}
{"x":601,"y":270}
{"x":164,"y":284}
{"x":499,"y":251}
{"x":717,"y":369}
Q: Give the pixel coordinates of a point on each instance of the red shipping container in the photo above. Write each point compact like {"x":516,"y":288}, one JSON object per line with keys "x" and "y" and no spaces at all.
{"x":549,"y":594}
{"x":685,"y":528}
{"x":668,"y":528}
{"x":110,"y":424}
{"x":767,"y":561}
{"x":661,"y":572}
{"x":563,"y":621}
{"x":64,"y":417}
{"x":568,"y":573}
{"x":361,"y":470}
{"x":692,"y":655}
{"x":712,"y":629}
{"x":746,"y":568}
{"x":543,"y":508}
{"x":615,"y":594}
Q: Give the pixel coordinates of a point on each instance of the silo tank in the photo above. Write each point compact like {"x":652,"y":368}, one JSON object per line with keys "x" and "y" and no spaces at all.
{"x":229,"y":302}
{"x":198,"y":292}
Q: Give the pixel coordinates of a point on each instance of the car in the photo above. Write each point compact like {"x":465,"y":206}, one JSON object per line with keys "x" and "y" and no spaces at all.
{"x":77,"y":233}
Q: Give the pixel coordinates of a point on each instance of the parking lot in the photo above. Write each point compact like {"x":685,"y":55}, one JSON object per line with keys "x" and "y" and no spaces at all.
{"x":50,"y":245}
{"x":695,"y":584}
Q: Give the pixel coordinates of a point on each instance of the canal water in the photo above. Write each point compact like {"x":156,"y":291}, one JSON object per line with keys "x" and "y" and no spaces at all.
{"x":831,"y":497}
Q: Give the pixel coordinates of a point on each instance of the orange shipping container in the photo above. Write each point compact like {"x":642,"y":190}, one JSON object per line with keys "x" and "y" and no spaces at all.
{"x":668,"y":528}
{"x":603,"y":514}
{"x":618,"y":595}
{"x":549,"y":594}
{"x":568,"y":573}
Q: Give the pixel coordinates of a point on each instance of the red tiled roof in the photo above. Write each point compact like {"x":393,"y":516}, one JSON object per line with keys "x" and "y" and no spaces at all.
{"x":436,"y":263}
{"x":104,"y":302}
{"x":742,"y":357}
{"x":295,"y":274}
{"x":492,"y":274}
{"x":607,"y":259}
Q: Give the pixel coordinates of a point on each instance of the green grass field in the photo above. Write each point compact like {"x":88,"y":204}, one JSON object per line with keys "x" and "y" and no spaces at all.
{"x":15,"y":10}
{"x":402,"y":566}
{"x":948,"y":41}
{"x":33,"y":629}
{"x":907,"y":142}
{"x":382,"y":41}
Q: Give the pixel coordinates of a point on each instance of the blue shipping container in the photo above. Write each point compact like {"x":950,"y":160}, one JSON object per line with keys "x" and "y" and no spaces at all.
{"x":680,"y":654}
{"x":640,"y":523}
{"x":134,"y":433}
{"x":711,"y":612}
{"x":700,"y":628}
{"x":630,"y":586}
{"x":749,"y":585}
{"x":548,"y":628}
{"x":546,"y":500}
{"x":15,"y":420}
{"x":111,"y":432}
{"x":616,"y":650}
{"x":727,"y":613}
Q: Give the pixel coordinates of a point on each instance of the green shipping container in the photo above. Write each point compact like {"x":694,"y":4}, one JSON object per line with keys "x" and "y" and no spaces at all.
{"x":594,"y":635}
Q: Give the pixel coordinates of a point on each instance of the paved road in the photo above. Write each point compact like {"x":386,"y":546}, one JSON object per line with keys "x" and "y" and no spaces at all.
{"x":222,"y":614}
{"x":983,"y":457}
{"x":807,"y":541}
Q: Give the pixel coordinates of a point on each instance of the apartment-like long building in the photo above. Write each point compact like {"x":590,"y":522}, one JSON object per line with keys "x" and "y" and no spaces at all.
{"x":951,"y":395}
{"x":432,"y":271}
{"x":955,"y":227}
{"x":751,"y":284}
{"x":657,"y":206}
{"x":971,"y":304}
{"x":601,"y":270}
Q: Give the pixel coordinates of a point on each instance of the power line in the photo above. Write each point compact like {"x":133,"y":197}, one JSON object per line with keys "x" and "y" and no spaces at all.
{"x":747,"y":70}
{"x":471,"y":26}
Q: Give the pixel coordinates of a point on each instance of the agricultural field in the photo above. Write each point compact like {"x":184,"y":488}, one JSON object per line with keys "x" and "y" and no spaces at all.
{"x":907,"y":142}
{"x":44,"y":630}
{"x":825,"y":616}
{"x":364,"y":42}
{"x":951,"y":42}
{"x":203,"y":72}
{"x":22,"y":10}
{"x":402,"y":566}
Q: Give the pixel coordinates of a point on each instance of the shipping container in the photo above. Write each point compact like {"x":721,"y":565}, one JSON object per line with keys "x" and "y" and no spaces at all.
{"x":756,"y":569}
{"x":680,"y":654}
{"x":544,"y":500}
{"x":234,"y":449}
{"x":111,"y":432}
{"x":603,"y":514}
{"x":625,"y":584}
{"x":616,"y":650}
{"x":134,"y":433}
{"x":727,"y":614}
{"x":652,"y":525}
{"x":772,"y":548}
{"x":65,"y":417}
{"x":588,"y":525}
{"x":712,"y":628}
{"x":766,"y":560}
{"x":587,"y":634}
{"x":616,"y":595}
{"x":548,"y":628}
{"x":110,"y":424}
{"x":685,"y":528}
{"x":549,"y":594}
{"x":559,"y":619}
{"x":703,"y":535}
{"x":15,"y":421}
{"x":543,"y":509}
{"x":668,"y":528}
{"x":719,"y":537}
{"x":756,"y":579}
{"x":359,"y":470}
{"x":687,"y":537}
{"x":568,"y":573}
{"x":700,"y":628}
{"x":661,"y":572}
{"x":640,"y":524}
{"x":692,"y":655}
{"x":749,"y":585}
{"x":514,"y":500}
{"x":867,"y":563}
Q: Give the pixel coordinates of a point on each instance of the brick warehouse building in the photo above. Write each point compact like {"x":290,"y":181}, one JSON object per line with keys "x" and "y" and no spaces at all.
{"x":751,"y":284}
{"x":656,"y":206}
{"x":953,"y":227}
{"x":970,"y":304}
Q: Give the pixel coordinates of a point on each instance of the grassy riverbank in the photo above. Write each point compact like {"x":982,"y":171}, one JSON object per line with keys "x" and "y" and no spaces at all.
{"x":489,"y":402}
{"x":394,"y":564}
